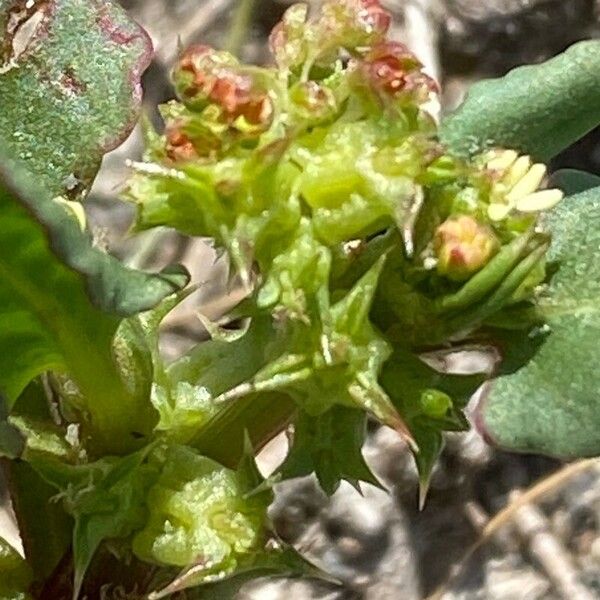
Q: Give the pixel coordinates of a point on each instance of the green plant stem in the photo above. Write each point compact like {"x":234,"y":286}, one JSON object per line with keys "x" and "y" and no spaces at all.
{"x":263,"y":416}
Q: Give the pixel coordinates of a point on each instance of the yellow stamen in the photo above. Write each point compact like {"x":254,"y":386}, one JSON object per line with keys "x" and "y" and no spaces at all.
{"x":528,"y":184}
{"x":538,"y":201}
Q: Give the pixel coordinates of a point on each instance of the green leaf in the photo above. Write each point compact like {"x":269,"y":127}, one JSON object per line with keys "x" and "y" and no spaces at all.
{"x":551,"y":405}
{"x":335,"y":359}
{"x":281,"y":561}
{"x":12,"y":443}
{"x":219,"y":365}
{"x":330,"y":446}
{"x":69,"y":86}
{"x":45,"y":528}
{"x":15,"y":574}
{"x":61,"y":300}
{"x":572,"y":181}
{"x":431,"y":402}
{"x":106,"y":499}
{"x":538,"y":110}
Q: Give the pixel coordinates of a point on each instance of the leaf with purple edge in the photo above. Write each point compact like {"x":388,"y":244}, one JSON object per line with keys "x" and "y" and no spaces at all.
{"x":70,"y":86}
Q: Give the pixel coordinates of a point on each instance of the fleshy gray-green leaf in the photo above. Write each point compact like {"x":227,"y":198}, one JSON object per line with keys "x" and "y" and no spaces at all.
{"x":552,"y":405}
{"x":69,"y":86}
{"x":538,"y":109}
{"x":61,"y":300}
{"x":573,"y":181}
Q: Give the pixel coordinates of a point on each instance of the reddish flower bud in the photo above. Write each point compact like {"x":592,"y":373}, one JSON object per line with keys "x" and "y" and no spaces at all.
{"x":179,"y":146}
{"x":463,"y":246}
{"x":196,"y":73}
{"x":374,"y":17}
{"x":204,"y":76}
{"x":394,"y":74}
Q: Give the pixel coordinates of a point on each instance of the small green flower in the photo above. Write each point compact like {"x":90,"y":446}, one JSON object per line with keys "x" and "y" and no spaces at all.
{"x":205,"y":77}
{"x":313,"y":102}
{"x":354,"y":24}
{"x":288,"y":41}
{"x":201,"y":513}
{"x":197,"y":72}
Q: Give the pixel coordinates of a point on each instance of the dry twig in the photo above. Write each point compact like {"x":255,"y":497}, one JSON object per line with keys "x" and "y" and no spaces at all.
{"x":535,"y":493}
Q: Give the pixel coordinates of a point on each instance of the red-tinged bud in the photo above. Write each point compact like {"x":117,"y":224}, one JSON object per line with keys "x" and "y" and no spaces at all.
{"x":239,"y":99}
{"x":179,"y":146}
{"x":196,"y":73}
{"x":463,"y":246}
{"x":394,"y":73}
{"x":314,"y":103}
{"x":374,"y":17}
{"x":204,"y":76}
{"x":287,"y":40}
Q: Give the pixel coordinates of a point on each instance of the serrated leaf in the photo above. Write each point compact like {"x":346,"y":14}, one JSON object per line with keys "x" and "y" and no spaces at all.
{"x":431,"y":444}
{"x":538,"y":109}
{"x":431,"y":402}
{"x":330,"y":446}
{"x":551,"y":405}
{"x":106,"y":500}
{"x":61,"y":300}
{"x":70,"y":86}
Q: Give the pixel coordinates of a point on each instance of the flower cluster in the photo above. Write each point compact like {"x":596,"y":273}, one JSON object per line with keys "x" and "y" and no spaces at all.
{"x":360,"y":240}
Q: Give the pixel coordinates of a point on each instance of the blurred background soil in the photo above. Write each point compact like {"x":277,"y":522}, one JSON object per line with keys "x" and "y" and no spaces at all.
{"x":378,"y":543}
